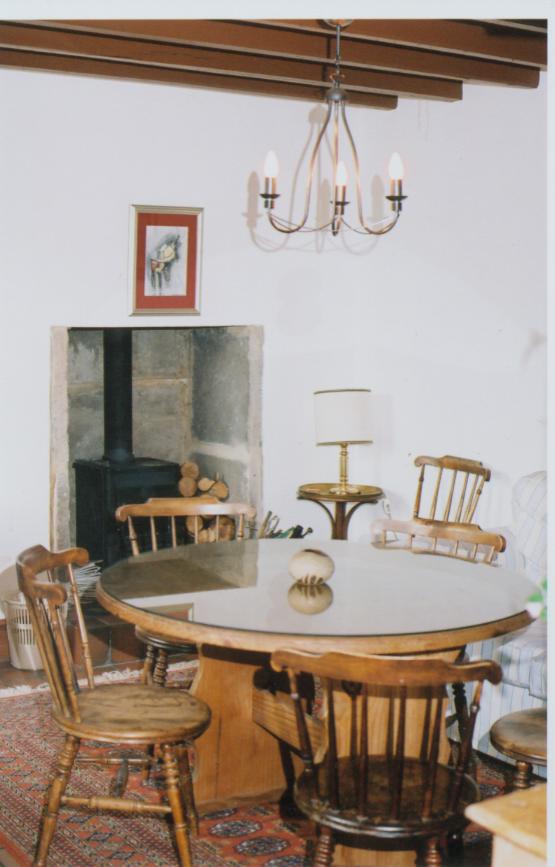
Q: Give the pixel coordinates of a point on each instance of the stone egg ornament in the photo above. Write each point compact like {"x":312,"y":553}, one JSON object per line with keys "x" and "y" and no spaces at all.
{"x":310,"y":598}
{"x":310,"y":566}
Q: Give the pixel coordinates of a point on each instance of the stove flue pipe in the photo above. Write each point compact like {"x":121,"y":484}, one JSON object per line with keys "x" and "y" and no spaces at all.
{"x":118,"y":401}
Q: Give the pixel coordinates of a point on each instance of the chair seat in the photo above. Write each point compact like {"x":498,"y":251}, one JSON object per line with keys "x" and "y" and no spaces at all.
{"x":376,"y":820}
{"x":162,"y":643}
{"x":522,"y":735}
{"x":136,"y":714}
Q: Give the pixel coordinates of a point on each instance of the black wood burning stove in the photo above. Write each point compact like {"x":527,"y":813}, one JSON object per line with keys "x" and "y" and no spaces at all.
{"x":118,"y":477}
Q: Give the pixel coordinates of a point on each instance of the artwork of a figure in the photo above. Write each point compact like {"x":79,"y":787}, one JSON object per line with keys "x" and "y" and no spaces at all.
{"x":165,"y":266}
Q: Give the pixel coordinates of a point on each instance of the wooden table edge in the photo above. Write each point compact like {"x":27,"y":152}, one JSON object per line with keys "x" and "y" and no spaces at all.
{"x":267,"y":642}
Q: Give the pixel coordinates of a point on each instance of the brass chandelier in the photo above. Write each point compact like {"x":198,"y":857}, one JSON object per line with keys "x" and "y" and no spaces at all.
{"x":336,"y":99}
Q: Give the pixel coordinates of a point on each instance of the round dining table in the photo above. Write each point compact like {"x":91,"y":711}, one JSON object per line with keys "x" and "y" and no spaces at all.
{"x":237,"y":602}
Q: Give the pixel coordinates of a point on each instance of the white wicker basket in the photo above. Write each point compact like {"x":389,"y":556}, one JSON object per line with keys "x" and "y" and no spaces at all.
{"x":24,"y":652}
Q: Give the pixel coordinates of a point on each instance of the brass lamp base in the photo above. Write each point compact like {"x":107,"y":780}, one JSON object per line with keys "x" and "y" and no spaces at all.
{"x":345,"y":489}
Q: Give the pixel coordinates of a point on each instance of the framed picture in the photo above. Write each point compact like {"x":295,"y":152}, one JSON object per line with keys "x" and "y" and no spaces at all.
{"x":166,"y":247}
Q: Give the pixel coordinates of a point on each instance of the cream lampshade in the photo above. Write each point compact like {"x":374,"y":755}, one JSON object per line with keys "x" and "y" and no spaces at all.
{"x":342,"y":417}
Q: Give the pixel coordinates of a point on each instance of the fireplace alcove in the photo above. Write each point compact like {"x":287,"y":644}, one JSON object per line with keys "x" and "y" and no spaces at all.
{"x":196,"y":395}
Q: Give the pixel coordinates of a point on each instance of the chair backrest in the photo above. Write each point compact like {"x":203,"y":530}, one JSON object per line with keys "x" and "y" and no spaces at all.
{"x":36,"y":568}
{"x":463,"y":541}
{"x":399,"y":680}
{"x":455,"y":492}
{"x":191,"y":509}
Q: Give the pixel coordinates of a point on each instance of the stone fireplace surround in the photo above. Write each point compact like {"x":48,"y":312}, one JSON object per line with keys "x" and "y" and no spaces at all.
{"x":196,"y":395}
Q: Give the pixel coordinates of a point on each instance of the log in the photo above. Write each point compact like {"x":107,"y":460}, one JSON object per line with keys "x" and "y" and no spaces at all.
{"x":205,"y":484}
{"x":194,"y":521}
{"x":208,"y":535}
{"x":226,"y":531}
{"x":220,"y":490}
{"x":187,"y":486}
{"x":190,"y":470}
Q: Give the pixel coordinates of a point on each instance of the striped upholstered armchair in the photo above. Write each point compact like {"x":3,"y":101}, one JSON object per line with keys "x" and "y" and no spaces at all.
{"x":522,"y":655}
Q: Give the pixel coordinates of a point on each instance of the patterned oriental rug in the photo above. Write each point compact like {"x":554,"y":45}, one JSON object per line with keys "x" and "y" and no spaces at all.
{"x":255,"y":836}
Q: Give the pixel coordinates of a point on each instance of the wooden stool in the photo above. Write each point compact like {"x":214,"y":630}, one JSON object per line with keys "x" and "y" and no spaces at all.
{"x":522,"y":736}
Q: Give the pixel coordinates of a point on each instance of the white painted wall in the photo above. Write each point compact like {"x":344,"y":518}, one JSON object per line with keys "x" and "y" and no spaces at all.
{"x":444,"y":319}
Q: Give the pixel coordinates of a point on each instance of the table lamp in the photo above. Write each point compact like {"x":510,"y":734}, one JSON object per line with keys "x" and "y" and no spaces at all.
{"x":342,"y":418}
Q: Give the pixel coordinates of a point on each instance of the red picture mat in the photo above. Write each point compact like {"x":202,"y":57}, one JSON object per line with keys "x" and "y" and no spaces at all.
{"x":166,"y":302}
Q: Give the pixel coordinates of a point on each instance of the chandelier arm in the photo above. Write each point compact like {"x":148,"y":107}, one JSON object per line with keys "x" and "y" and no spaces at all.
{"x":365,"y":231}
{"x":369,"y":230}
{"x":283,"y":229}
{"x":282,"y":225}
{"x":299,"y":226}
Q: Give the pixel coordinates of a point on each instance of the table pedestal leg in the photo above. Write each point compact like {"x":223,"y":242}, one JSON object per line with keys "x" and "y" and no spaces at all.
{"x":234,"y":758}
{"x":339,"y":527}
{"x":340,"y":519}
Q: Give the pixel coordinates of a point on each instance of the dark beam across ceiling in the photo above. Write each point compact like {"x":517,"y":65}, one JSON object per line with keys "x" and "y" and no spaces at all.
{"x":382,"y":60}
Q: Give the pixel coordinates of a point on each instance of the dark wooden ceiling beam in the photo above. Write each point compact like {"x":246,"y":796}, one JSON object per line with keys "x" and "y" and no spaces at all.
{"x":151,"y":73}
{"x":534,"y":25}
{"x":242,"y":37}
{"x":192,"y":58}
{"x":470,"y":38}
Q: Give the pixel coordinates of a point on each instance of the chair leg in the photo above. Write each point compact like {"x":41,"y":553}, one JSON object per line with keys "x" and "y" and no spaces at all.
{"x":461,"y":708}
{"x":149,"y":761}
{"x":461,"y":711}
{"x":187,"y":789}
{"x":455,"y":845}
{"x":432,"y":856}
{"x":323,"y":857}
{"x":174,"y":794}
{"x":57,"y":788}
{"x":148,"y":665}
{"x":161,"y":668}
{"x":522,"y":778}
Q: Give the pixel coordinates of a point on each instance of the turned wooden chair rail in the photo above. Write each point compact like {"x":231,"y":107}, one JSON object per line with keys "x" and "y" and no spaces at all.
{"x":456,"y":491}
{"x":462,"y":541}
{"x":403,"y":793}
{"x":230,"y":522}
{"x":128,"y":715}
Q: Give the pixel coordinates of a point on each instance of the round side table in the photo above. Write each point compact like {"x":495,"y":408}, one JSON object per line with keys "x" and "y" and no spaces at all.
{"x":321,"y":493}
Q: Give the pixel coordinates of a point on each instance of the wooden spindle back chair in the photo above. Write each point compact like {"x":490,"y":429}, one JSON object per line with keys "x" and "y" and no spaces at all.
{"x":185,"y":515}
{"x":125,"y":715}
{"x":401,"y":792}
{"x":455,"y":492}
{"x":461,"y":541}
{"x":173,"y":509}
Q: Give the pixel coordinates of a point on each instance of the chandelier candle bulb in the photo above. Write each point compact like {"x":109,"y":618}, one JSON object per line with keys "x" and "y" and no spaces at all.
{"x":341,"y":178}
{"x":271,"y":165}
{"x":396,"y":173}
{"x":271,"y":169}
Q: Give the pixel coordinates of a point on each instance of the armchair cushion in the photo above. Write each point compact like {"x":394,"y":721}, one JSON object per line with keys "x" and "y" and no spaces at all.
{"x":530,"y":523}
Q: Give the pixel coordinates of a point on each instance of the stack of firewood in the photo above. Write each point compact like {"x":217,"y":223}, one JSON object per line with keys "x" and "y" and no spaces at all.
{"x":215,"y":490}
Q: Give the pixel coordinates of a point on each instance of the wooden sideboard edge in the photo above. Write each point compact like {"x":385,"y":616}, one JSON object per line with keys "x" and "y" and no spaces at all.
{"x":500,"y":815}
